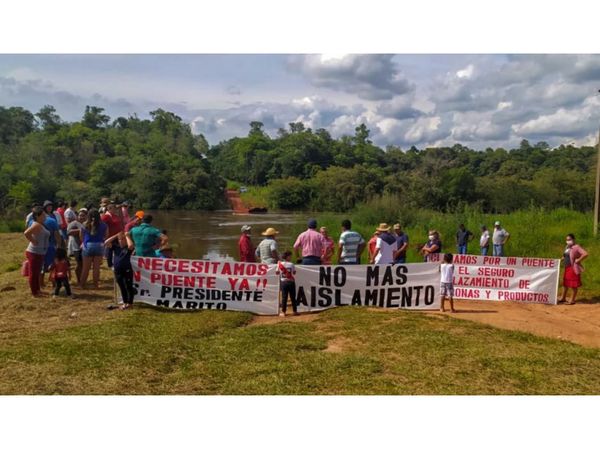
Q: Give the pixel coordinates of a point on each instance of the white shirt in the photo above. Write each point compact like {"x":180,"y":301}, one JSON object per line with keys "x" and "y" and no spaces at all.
{"x":386,"y":252}
{"x":484,"y":239}
{"x":447,"y":271}
{"x":500,"y":236}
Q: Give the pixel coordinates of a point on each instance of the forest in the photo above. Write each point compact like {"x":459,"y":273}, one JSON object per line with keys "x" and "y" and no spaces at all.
{"x":159,"y":163}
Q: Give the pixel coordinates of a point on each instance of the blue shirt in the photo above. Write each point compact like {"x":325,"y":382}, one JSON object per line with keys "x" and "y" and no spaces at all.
{"x":98,"y":237}
{"x":400,"y":241}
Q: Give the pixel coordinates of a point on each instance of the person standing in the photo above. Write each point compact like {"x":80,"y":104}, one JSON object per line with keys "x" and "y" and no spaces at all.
{"x":328,"y":247}
{"x":310,"y":245}
{"x":38,"y":236}
{"x":146,"y":237}
{"x":572,"y":257}
{"x":135,"y":221}
{"x":71,"y":213}
{"x":115,"y":225}
{"x":463,"y":237}
{"x":63,"y":222}
{"x":484,"y":241}
{"x":350,"y":246}
{"x":402,"y":244}
{"x":266,"y":252}
{"x":446,"y":282}
{"x":51,"y":224}
{"x":433,"y":245}
{"x":287,"y":283}
{"x":122,"y":264}
{"x":499,"y":239}
{"x":124,"y":209}
{"x":245,"y":245}
{"x":61,"y":273}
{"x":74,"y":243}
{"x":371,"y":246}
{"x":92,"y":236}
{"x":386,"y":245}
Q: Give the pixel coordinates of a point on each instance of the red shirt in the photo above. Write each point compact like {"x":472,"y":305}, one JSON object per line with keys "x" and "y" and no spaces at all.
{"x":372,"y":244}
{"x":114,"y":223}
{"x":246,"y":249}
{"x":61,"y":269}
{"x":133,"y":223}
{"x":63,"y":224}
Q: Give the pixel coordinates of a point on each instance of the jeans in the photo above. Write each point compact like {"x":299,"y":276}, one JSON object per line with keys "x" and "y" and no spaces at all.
{"x":35,"y":268}
{"x":58,"y":282}
{"x":124,"y":279}
{"x":498,"y":249}
{"x":484,"y":250}
{"x":288,"y":290}
{"x":311,"y":260}
{"x":108,"y":252}
{"x":462,"y":249}
{"x":93,"y":249}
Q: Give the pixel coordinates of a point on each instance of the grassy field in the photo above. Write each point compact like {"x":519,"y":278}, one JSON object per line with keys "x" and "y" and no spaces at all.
{"x":66,"y":346}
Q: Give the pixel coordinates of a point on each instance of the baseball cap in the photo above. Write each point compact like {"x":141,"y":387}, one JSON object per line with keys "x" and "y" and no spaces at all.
{"x":139,"y":214}
{"x":246,"y":228}
{"x":497,"y":223}
{"x":312,"y":223}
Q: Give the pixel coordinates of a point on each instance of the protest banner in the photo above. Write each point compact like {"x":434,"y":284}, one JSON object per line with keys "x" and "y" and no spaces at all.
{"x":530,"y":280}
{"x":408,"y":286}
{"x":190,"y":284}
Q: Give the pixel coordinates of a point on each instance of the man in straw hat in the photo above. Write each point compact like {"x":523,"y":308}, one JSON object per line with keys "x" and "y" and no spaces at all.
{"x":386,"y":245}
{"x":266,"y":252}
{"x":245,"y":245}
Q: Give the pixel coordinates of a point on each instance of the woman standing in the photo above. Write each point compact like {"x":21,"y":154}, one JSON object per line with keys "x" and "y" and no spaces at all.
{"x":38,"y":237}
{"x":92,"y":236}
{"x":433,"y":245}
{"x":572,"y":256}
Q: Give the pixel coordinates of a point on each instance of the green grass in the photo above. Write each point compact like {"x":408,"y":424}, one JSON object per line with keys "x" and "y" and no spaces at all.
{"x":256,"y":197}
{"x":344,"y":351}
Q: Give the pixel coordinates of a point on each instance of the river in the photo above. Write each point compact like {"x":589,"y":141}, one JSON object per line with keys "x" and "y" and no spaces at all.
{"x":214,"y":234}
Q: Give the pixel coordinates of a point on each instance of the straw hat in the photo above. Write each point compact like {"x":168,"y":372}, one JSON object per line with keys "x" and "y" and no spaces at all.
{"x":270,"y":232}
{"x":383,"y":227}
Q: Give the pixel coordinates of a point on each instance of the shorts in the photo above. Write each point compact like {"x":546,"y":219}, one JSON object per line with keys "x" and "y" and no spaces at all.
{"x":93,"y":249}
{"x":49,"y":258}
{"x":446,"y":290}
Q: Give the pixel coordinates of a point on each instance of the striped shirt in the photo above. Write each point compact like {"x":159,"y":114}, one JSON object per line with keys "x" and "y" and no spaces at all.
{"x":350,"y":241}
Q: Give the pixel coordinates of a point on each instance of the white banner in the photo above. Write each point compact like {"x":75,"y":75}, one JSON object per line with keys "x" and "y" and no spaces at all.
{"x":409,"y":286}
{"x":190,"y":284}
{"x":530,"y":280}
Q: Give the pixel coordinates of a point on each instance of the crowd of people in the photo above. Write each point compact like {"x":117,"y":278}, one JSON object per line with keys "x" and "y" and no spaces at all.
{"x":388,"y":245}
{"x":90,"y":234}
{"x":87,"y":236}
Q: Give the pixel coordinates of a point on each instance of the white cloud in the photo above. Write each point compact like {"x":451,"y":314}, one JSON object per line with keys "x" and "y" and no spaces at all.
{"x":467,"y":72}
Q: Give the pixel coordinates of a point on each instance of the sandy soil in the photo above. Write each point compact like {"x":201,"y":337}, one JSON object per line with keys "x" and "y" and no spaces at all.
{"x":578,"y":323}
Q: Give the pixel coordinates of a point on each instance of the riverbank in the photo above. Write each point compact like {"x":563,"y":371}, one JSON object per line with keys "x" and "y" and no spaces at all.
{"x":77,"y":346}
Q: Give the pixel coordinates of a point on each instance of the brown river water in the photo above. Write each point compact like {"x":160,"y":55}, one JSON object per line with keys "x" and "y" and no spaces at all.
{"x":214,"y":234}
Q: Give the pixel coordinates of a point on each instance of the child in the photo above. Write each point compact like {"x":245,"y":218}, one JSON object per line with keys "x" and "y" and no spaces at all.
{"x":286,"y":271}
{"x":122,"y":267}
{"x":60,"y":272}
{"x":446,"y":287}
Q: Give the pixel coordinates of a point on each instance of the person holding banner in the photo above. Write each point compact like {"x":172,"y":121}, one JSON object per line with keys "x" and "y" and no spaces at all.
{"x":266,"y":252}
{"x":245,"y":245}
{"x":286,"y":272}
{"x":386,"y":245}
{"x":310,"y":243}
{"x":572,"y":257}
{"x":433,"y":245}
{"x":351,"y":245}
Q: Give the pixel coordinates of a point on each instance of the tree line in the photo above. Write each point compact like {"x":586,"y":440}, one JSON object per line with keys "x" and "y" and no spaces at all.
{"x":159,"y":163}
{"x":154,"y":163}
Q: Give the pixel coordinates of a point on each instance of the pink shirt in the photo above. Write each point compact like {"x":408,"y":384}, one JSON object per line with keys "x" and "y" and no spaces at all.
{"x":575,"y":252}
{"x":311,"y":242}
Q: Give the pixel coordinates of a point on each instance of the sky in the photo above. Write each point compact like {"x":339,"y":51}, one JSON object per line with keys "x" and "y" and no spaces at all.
{"x":423,"y":100}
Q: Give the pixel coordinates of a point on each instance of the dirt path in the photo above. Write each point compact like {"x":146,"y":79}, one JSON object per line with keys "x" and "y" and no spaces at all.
{"x":579,"y":323}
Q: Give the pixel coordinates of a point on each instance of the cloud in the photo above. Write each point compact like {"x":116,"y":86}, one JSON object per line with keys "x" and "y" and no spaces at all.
{"x":370,"y":77}
{"x":233,"y":90}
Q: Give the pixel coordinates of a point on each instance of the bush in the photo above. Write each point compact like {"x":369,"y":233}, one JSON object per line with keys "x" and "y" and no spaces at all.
{"x":289,"y":193}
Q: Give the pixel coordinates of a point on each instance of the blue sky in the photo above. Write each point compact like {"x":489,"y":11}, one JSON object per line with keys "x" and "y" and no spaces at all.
{"x":422,"y":100}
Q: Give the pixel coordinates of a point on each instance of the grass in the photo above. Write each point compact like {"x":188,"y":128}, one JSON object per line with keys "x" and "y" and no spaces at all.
{"x":256,"y":197}
{"x":68,"y":346}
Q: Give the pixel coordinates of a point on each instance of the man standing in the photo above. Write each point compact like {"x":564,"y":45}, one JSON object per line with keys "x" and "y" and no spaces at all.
{"x":463,"y":236}
{"x":245,"y":245}
{"x":350,"y":246}
{"x":115,"y":226}
{"x":401,"y":243}
{"x":266,"y":252}
{"x":499,"y":239}
{"x":385,"y":246}
{"x":145,"y":237}
{"x":484,"y":240}
{"x":310,"y":243}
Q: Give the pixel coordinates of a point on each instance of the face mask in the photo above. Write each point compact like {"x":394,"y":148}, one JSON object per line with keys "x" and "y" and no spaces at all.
{"x":431,"y":237}
{"x":569,"y":242}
